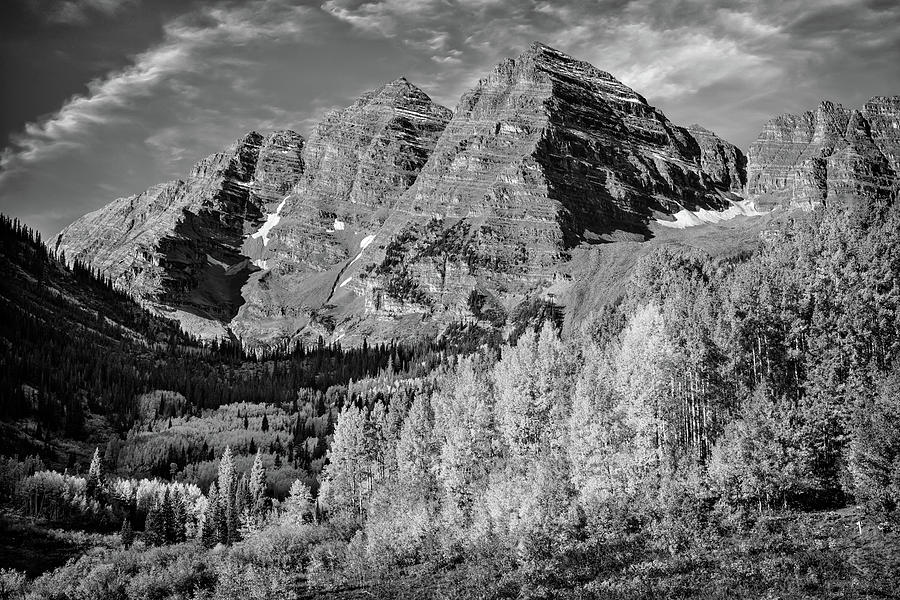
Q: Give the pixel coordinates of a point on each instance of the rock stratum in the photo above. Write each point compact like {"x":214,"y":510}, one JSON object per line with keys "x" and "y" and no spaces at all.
{"x":398,"y":217}
{"x":827,"y":153}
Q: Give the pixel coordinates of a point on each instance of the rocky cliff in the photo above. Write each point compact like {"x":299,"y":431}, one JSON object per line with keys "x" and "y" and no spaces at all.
{"x":178,"y":245}
{"x":830,"y":152}
{"x":721,"y":160}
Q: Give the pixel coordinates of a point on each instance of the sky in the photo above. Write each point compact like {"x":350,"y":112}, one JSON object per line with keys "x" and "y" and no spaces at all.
{"x":103,"y":98}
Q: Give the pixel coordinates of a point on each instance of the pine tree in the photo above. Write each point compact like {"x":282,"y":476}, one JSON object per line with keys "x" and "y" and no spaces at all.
{"x":210,"y":533}
{"x":167,"y":517}
{"x":257,"y":487}
{"x":265,"y":423}
{"x":226,"y":475}
{"x":179,"y":515}
{"x":126,"y":533}
{"x":154,"y":526}
{"x":95,"y":475}
{"x":227,"y":516}
{"x":242,"y":495}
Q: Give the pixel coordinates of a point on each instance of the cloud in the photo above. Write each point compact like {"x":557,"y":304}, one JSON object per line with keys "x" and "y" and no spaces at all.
{"x":671,"y":51}
{"x":183,"y":62}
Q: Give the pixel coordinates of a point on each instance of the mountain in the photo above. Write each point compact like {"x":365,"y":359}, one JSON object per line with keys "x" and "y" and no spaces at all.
{"x":359,"y":161}
{"x":545,"y":154}
{"x":827,"y":153}
{"x":399,"y":218}
{"x":178,"y":245}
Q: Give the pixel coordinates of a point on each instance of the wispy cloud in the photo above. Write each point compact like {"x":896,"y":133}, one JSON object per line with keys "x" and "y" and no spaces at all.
{"x":669,"y":51}
{"x":183,"y":62}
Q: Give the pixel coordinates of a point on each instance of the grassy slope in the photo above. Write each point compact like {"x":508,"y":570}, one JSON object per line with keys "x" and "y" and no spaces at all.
{"x":597,"y":274}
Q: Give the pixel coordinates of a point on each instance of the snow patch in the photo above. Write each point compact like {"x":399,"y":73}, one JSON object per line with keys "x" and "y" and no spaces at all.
{"x":345,"y":282}
{"x":685,"y":218}
{"x":272,"y":220}
{"x":366,"y":241}
{"x":261,"y":263}
{"x":338,"y":225}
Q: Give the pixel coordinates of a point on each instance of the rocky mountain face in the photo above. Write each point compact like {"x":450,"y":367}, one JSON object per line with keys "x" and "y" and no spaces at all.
{"x":177,"y":246}
{"x":397,"y":217}
{"x":359,"y":161}
{"x":722,"y":161}
{"x":543,"y":155}
{"x":830,"y":152}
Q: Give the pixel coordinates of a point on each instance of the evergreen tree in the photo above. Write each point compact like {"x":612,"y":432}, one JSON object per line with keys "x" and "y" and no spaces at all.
{"x":209,"y":534}
{"x":155,"y":526}
{"x":95,"y":475}
{"x":257,"y":486}
{"x":242,"y":495}
{"x":126,"y":533}
{"x":227,"y":515}
{"x":179,"y":518}
{"x":167,"y":516}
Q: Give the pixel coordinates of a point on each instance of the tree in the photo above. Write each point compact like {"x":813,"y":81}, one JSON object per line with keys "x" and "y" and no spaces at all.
{"x":760,"y":458}
{"x":13,"y":584}
{"x":299,"y":501}
{"x":416,"y":448}
{"x":126,"y":533}
{"x":257,"y":487}
{"x":210,"y":532}
{"x":598,"y":436}
{"x":465,"y":429}
{"x":532,"y":385}
{"x":95,"y":475}
{"x":167,"y":518}
{"x":643,"y":374}
{"x":347,"y":484}
{"x":227,"y":514}
{"x":154,"y":526}
{"x":179,"y":518}
{"x":875,"y":448}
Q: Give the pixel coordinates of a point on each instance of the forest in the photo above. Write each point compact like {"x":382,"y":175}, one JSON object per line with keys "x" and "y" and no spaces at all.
{"x":729,"y":428}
